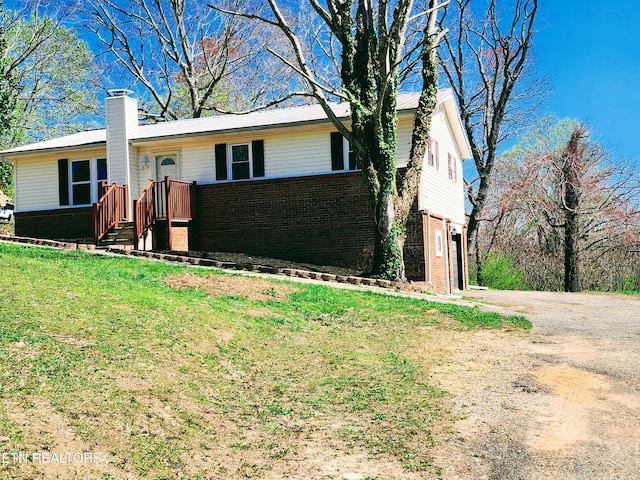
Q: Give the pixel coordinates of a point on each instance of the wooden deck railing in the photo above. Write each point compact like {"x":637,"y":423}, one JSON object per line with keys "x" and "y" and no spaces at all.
{"x":144,"y":210}
{"x":179,"y":194}
{"x":110,"y":209}
{"x":162,"y":200}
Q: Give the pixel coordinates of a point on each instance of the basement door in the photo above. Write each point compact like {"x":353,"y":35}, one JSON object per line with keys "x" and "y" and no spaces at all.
{"x":458,"y":262}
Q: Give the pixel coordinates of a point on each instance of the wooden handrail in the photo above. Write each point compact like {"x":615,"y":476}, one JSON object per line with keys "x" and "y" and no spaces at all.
{"x":144,"y":211}
{"x":162,"y":200}
{"x":109,"y":210}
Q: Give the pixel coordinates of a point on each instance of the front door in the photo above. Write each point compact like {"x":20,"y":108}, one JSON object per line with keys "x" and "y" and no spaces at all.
{"x":167,"y":166}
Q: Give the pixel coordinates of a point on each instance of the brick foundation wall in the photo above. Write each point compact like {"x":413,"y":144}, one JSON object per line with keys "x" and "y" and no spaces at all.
{"x":179,"y":236}
{"x":68,"y":223}
{"x":323,"y":219}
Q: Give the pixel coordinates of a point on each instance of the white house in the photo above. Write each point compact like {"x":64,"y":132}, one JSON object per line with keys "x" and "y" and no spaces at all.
{"x":276,"y":183}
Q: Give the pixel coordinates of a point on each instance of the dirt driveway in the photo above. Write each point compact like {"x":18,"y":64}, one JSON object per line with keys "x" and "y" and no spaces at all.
{"x":562,"y":402}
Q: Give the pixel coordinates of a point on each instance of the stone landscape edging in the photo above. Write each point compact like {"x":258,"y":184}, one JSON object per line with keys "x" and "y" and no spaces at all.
{"x":176,"y":257}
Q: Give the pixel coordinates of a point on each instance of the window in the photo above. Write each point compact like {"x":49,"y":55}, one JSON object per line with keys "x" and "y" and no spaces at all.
{"x":240,"y":162}
{"x":433,"y":154}
{"x":438,"y":243}
{"x":244,"y":161}
{"x":168,"y":161}
{"x":81,"y":182}
{"x":341,"y":150}
{"x":101,"y":173}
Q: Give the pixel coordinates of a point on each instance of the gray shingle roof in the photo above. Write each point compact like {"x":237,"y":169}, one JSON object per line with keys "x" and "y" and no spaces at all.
{"x":223,"y":123}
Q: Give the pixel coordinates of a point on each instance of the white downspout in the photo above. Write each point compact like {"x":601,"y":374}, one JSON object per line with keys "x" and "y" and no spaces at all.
{"x":446,"y":256}
{"x":428,"y":252}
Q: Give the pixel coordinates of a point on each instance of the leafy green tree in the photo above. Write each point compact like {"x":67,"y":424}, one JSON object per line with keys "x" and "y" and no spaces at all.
{"x":54,"y":78}
{"x":47,"y":81}
{"x":7,"y":108}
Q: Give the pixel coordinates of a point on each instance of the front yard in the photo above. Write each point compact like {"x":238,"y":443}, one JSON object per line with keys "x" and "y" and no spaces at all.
{"x":157,"y":371}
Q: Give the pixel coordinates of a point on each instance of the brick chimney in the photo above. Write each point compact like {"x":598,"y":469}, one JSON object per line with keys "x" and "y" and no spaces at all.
{"x":122,"y":124}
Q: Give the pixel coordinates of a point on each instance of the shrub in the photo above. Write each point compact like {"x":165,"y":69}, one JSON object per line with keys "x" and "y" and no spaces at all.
{"x":500,"y":273}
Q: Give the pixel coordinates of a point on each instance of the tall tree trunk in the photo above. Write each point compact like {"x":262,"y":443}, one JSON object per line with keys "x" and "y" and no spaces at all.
{"x":571,"y":200}
{"x":478,"y":258}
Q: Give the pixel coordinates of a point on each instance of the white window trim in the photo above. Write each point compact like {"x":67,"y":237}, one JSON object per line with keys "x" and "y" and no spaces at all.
{"x":230,"y":161}
{"x":346,"y":147}
{"x":439,"y":243}
{"x":93,"y":180}
{"x":431,"y":153}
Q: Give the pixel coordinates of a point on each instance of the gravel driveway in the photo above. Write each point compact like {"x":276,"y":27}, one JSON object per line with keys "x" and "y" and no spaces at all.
{"x":562,"y":402}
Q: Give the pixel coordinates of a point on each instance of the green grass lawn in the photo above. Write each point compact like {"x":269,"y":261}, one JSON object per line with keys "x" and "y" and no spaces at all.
{"x":175,"y":372}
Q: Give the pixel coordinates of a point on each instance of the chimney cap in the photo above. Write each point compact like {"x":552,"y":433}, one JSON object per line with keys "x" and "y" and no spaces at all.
{"x":119,"y":92}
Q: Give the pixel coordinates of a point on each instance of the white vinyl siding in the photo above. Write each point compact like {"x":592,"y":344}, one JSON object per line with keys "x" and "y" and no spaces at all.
{"x":405,"y":130}
{"x":440,"y":194}
{"x":36,"y":179}
{"x":36,"y":184}
{"x":286,"y":153}
{"x":305,"y":154}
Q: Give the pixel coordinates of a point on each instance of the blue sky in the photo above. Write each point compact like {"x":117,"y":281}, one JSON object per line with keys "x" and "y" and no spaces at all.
{"x":590,"y":50}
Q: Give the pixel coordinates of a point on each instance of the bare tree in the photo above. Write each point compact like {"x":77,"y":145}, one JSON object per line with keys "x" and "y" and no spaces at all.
{"x":187,"y":59}
{"x":563,"y":210}
{"x":369,"y":45}
{"x":486,"y":61}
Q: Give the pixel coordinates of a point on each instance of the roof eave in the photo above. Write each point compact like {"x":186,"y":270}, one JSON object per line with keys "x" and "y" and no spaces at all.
{"x":9,"y":154}
{"x":252,"y":128}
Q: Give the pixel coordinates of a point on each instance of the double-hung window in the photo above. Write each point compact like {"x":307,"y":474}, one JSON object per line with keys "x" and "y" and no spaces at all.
{"x":81,"y":182}
{"x":84,"y":179}
{"x":241,"y":161}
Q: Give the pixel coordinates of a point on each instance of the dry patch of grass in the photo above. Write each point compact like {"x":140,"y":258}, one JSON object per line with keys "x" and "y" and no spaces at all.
{"x":235,"y":286}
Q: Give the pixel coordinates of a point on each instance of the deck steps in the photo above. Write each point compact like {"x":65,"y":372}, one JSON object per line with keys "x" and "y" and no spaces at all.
{"x":123,"y":234}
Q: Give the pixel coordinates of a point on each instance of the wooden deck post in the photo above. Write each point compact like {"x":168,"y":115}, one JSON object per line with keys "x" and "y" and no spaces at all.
{"x":193,"y":230}
{"x":95,"y":224}
{"x":126,"y":202}
{"x":116,"y":209}
{"x":136,"y":227}
{"x":167,"y":184}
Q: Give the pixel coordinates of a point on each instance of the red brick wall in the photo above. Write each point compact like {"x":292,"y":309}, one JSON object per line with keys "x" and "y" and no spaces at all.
{"x":323,"y":219}
{"x":179,"y":236}
{"x":67,"y":224}
{"x":414,"y":246}
{"x":438,"y":268}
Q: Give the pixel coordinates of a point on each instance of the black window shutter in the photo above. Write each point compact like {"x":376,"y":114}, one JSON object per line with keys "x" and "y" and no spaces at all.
{"x":63,"y":181}
{"x":257,"y":149}
{"x":337,"y":151}
{"x":221,"y":161}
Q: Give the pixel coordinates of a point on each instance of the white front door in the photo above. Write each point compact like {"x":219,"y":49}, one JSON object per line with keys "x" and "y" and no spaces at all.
{"x":167,"y":166}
